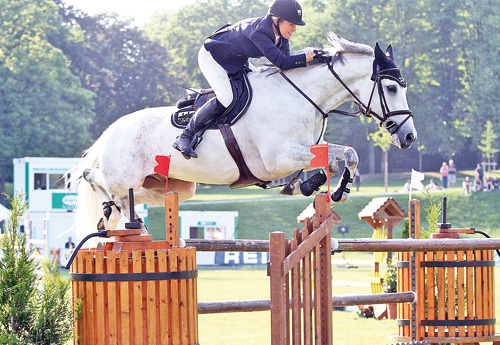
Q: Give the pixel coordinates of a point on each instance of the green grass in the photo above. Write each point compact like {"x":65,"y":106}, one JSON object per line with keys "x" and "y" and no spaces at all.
{"x":264,"y":211}
{"x":254,"y":327}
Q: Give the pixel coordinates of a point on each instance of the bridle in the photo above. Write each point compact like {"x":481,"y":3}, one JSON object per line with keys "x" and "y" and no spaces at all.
{"x":377,"y":77}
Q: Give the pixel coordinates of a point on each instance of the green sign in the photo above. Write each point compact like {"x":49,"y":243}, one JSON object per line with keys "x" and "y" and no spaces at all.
{"x":206,"y":223}
{"x":64,"y":201}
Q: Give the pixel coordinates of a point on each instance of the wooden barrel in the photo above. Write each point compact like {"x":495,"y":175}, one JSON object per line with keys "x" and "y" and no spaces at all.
{"x":135,"y":297}
{"x":455,"y":296}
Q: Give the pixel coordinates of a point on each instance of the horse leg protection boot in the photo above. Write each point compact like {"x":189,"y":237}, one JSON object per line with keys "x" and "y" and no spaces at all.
{"x":346,"y":178}
{"x":313,"y":184}
{"x":188,"y":139}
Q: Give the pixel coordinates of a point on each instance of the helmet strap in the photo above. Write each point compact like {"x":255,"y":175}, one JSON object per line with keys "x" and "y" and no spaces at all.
{"x":276,"y":25}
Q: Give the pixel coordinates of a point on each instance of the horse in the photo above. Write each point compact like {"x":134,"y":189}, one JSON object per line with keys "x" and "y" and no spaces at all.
{"x":287,"y":114}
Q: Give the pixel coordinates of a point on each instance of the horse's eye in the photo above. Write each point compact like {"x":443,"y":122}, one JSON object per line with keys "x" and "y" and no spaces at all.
{"x":392,"y":88}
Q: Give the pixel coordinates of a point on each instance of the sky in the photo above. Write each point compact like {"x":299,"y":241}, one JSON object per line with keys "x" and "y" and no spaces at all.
{"x":140,"y":10}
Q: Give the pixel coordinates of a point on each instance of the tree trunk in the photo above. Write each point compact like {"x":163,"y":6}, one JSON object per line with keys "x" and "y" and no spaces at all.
{"x":371,"y":157}
{"x":386,"y":170}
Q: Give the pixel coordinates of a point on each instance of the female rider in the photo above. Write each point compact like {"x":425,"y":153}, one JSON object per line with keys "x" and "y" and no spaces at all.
{"x":227,"y":51}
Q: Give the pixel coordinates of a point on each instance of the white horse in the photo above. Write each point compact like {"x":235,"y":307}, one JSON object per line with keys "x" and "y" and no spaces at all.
{"x":274,"y":135}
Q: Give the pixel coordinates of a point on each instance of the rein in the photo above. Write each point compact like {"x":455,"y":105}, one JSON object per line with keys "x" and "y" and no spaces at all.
{"x":325,"y":115}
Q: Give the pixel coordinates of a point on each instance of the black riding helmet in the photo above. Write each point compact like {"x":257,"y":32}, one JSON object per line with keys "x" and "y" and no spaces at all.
{"x":289,"y":10}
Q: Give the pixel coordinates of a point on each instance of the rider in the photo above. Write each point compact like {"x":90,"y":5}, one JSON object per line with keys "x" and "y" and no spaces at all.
{"x":227,"y":51}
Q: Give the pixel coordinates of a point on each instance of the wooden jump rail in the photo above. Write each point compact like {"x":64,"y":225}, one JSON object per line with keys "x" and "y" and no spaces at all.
{"x":445,"y":272}
{"x":355,"y":245}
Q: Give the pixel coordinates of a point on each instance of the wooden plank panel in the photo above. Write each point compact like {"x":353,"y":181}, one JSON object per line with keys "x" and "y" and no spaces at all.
{"x":78,"y":295}
{"x":441,"y":294}
{"x":173,"y":261}
{"x":151,"y":300}
{"x":296,"y":305}
{"x":491,"y":280}
{"x":420,"y":276}
{"x":317,"y":295}
{"x":137,"y":301}
{"x":431,"y":295}
{"x":470,"y":292}
{"x":124,"y":301}
{"x":479,"y":292}
{"x":325,"y":286}
{"x":450,"y":302}
{"x":461,"y":293}
{"x":192,"y":299}
{"x":288,"y":307}
{"x":112,"y":315}
{"x":307,"y":297}
{"x":279,"y":303}
{"x":164,"y":291}
{"x":183,"y":298}
{"x":100,"y":300}
{"x":89,"y":307}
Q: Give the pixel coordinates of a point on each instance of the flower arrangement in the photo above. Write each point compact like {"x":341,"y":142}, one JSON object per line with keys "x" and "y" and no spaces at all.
{"x":390,"y":282}
{"x":365,"y":311}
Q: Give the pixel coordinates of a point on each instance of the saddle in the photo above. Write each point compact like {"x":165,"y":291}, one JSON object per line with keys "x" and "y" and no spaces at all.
{"x":188,"y":105}
{"x":242,"y":92}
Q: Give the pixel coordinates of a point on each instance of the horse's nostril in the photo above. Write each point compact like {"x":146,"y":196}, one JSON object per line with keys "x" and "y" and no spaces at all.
{"x":410,"y":138}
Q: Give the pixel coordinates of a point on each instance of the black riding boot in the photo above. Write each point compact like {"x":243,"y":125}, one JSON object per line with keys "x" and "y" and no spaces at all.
{"x":187,"y":140}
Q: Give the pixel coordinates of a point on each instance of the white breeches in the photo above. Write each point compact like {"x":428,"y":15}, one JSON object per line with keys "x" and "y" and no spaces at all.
{"x":216,"y":76}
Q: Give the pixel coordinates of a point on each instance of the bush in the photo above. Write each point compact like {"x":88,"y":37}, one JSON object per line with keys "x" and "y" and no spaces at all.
{"x":33,"y":311}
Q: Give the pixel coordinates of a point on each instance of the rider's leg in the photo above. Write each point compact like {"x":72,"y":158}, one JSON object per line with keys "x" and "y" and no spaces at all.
{"x":201,"y":118}
{"x":219,"y":81}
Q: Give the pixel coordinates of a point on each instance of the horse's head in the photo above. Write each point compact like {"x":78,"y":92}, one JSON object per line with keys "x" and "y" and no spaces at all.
{"x":391,"y":109}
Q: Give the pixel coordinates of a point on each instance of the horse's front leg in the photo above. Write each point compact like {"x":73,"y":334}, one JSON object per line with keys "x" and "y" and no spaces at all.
{"x":350,"y":157}
{"x":111,"y":211}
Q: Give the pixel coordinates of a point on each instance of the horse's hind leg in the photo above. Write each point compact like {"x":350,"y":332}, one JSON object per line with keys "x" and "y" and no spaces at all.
{"x":111,"y":211}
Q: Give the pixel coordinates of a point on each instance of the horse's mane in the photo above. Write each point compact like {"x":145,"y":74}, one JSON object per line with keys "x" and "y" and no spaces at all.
{"x":340,"y":46}
{"x":336,"y":49}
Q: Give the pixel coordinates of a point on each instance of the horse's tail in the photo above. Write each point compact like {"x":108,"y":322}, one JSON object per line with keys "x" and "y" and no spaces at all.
{"x":88,"y":211}
{"x":88,"y":208}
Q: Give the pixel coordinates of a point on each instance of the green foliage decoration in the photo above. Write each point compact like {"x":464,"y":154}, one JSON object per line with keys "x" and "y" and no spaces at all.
{"x":33,"y":309}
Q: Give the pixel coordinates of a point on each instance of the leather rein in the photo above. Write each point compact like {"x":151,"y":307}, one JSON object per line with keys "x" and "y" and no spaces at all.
{"x":366,"y":110}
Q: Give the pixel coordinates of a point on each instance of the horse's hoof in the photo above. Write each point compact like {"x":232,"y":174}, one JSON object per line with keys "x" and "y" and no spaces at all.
{"x":291,"y":186}
{"x":100,"y":225}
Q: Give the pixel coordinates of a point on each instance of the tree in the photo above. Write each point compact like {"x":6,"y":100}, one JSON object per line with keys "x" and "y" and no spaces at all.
{"x":43,"y":109}
{"x":182,"y":32}
{"x":383,"y":140}
{"x":488,"y":147}
{"x":115,"y":60}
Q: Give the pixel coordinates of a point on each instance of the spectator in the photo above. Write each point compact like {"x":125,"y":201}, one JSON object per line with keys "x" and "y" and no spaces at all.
{"x":467,"y":185}
{"x":480,"y":172}
{"x":452,"y":174}
{"x":496,"y":183}
{"x":478,"y":184}
{"x":406,"y":187}
{"x":69,"y":244}
{"x":444,"y":174}
{"x":357,"y":179}
{"x":432,"y":185}
{"x":488,"y":184}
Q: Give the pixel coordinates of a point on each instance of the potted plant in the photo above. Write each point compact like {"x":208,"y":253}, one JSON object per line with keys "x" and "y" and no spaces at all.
{"x":390,"y":284}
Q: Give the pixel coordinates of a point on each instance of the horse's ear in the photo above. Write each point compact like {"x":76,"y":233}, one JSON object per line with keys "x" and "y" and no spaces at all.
{"x":389,"y":52}
{"x":378,"y":52}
